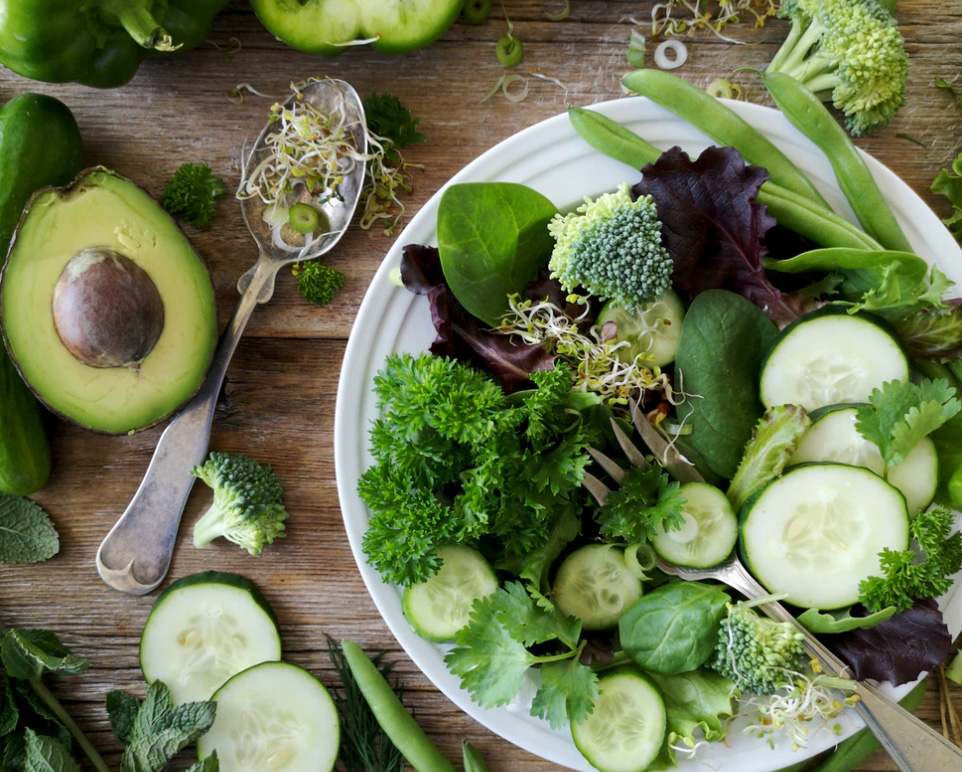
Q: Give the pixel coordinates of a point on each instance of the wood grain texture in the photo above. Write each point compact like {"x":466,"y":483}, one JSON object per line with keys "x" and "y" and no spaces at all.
{"x":278,"y":403}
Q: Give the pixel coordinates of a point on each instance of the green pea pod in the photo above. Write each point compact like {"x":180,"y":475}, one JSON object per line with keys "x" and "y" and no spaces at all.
{"x":807,"y":114}
{"x":390,"y":713}
{"x":723,"y":125}
{"x":473,"y":761}
{"x":796,"y":212}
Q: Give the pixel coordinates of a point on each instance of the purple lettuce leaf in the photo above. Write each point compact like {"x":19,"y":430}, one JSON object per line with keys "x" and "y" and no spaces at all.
{"x":460,"y":335}
{"x":900,"y":648}
{"x":713,"y":227}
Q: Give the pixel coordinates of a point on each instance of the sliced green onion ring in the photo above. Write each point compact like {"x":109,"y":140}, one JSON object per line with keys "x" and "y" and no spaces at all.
{"x":640,"y":558}
{"x":559,"y":15}
{"x":304,"y":218}
{"x":476,"y":11}
{"x":636,"y":49}
{"x":509,"y":50}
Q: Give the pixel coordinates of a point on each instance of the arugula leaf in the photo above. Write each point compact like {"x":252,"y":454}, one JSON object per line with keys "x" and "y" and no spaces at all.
{"x":390,"y":119}
{"x":45,"y":754}
{"x":950,"y":186}
{"x":700,"y":699}
{"x":841,"y":620}
{"x":568,"y":692}
{"x":901,"y":413}
{"x":646,"y":502}
{"x":122,"y":710}
{"x":29,"y":654}
{"x":27,"y":534}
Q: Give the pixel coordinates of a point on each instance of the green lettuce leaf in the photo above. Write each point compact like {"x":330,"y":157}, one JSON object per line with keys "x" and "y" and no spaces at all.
{"x":950,"y":186}
{"x":841,"y":620}
{"x":700,"y":699}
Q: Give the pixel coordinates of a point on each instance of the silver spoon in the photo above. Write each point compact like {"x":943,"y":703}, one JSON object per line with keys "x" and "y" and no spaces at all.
{"x":135,"y":555}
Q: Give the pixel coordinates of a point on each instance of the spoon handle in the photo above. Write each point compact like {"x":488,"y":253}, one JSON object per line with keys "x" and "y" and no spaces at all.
{"x":135,"y":555}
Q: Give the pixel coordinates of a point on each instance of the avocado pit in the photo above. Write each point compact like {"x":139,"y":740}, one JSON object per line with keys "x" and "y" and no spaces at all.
{"x":107,"y":310}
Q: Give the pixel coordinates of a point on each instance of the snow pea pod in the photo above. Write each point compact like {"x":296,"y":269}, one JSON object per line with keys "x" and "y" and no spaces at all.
{"x":723,"y":125}
{"x":473,"y":760}
{"x":807,"y":114}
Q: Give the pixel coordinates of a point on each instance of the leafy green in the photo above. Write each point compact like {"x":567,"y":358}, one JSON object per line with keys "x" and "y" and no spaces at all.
{"x":30,"y":654}
{"x":944,"y":84}
{"x":901,"y":413}
{"x":841,"y":620}
{"x":208,"y":764}
{"x":493,"y":238}
{"x":27,"y":535}
{"x":122,"y":709}
{"x":932,"y":333}
{"x":774,"y":440}
{"x":646,"y":502}
{"x":391,"y":120}
{"x":45,"y":754}
{"x":950,"y":186}
{"x":700,"y":699}
{"x":317,"y":282}
{"x":673,"y":629}
{"x":723,"y":341}
{"x":905,"y":577}
{"x":191,"y":194}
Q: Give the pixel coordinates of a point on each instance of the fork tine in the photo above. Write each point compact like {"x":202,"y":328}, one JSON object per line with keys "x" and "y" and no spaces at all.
{"x":635,"y":456}
{"x":596,"y":488}
{"x":680,"y":467}
{"x":616,"y":472}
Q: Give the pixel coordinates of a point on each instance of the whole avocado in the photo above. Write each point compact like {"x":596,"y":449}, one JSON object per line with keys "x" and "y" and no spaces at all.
{"x":98,"y":43}
{"x":39,"y":146}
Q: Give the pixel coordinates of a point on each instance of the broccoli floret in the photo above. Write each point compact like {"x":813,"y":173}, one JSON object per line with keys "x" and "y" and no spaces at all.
{"x":758,"y":654}
{"x":612,"y":248}
{"x":317,"y":282}
{"x":247,"y":508}
{"x":191,"y":192}
{"x":848,"y":52}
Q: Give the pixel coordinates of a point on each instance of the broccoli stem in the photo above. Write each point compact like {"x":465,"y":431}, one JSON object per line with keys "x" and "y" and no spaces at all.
{"x":58,"y":710}
{"x":209,"y":527}
{"x":787,"y":47}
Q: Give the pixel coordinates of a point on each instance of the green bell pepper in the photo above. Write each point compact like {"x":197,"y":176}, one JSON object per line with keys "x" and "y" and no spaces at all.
{"x":329,"y":26}
{"x":98,"y":43}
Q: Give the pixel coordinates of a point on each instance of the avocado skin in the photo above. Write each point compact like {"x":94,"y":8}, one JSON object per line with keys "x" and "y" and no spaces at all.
{"x":39,"y":146}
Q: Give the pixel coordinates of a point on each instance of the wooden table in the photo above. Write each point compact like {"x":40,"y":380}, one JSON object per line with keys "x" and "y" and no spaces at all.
{"x":278,"y":401}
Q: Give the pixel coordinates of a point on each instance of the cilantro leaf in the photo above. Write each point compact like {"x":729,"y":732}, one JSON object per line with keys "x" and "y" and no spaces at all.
{"x":530,"y":623}
{"x":646,"y":501}
{"x":568,"y":691}
{"x":391,"y":120}
{"x":29,"y":654}
{"x":46,"y":754}
{"x":122,"y":710}
{"x":27,"y":535}
{"x":901,"y":413}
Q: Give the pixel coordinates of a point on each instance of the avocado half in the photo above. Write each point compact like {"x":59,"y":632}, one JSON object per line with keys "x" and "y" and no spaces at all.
{"x":106,"y":310}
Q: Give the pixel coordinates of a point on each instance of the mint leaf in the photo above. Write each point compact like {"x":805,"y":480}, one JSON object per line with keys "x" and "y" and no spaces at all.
{"x":122,"y":709}
{"x":901,"y":413}
{"x":209,"y":764}
{"x":9,"y":713}
{"x":45,"y":754}
{"x":27,"y":534}
{"x":29,"y":654}
{"x":568,"y":691}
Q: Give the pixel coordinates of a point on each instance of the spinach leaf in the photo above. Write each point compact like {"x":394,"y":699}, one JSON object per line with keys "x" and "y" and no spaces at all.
{"x":841,"y":621}
{"x":493,"y":238}
{"x":723,"y":341}
{"x":674,"y":628}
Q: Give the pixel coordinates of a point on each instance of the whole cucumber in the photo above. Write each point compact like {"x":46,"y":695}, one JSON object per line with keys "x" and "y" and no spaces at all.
{"x":39,"y":146}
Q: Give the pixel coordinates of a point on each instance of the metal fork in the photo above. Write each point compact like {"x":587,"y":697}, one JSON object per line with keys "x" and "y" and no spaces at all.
{"x":913,"y":745}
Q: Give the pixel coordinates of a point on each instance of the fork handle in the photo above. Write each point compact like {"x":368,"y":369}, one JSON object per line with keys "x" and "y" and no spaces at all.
{"x":913,"y":745}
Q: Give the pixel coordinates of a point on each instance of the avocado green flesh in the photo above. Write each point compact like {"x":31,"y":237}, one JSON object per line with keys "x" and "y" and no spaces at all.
{"x":102,"y":209}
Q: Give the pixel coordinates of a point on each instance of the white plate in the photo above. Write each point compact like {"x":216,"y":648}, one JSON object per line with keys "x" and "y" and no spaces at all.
{"x":551,"y":158}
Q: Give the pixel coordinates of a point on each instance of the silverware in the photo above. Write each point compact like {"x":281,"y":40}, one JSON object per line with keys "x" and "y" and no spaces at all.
{"x":913,"y":745}
{"x":135,"y":555}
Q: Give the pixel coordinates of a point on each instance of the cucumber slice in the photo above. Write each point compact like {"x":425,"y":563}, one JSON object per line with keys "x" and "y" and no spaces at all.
{"x":828,"y":357}
{"x":202,"y":630}
{"x":626,"y":729}
{"x":834,"y":438}
{"x":595,"y":585}
{"x":817,"y":532}
{"x":438,"y":608}
{"x":709,"y":533}
{"x":652,"y":332}
{"x":273,"y":716}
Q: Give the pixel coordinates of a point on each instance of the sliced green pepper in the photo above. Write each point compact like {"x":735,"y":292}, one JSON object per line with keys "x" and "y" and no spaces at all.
{"x":98,"y":43}
{"x":329,"y":26}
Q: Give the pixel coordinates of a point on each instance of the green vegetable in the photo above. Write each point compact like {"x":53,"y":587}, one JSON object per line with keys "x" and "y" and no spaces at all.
{"x":673,"y":629}
{"x":509,"y":51}
{"x":807,"y":114}
{"x":191,"y":194}
{"x":27,"y":535}
{"x":931,"y":333}
{"x":840,"y":621}
{"x":156,"y":730}
{"x":472,"y":760}
{"x":944,"y":84}
{"x":723,"y":341}
{"x":758,"y":654}
{"x":303,"y":218}
{"x":392,"y":121}
{"x":901,"y":413}
{"x":396,"y":722}
{"x":247,"y":508}
{"x":950,"y":186}
{"x":612,"y":247}
{"x":317,"y":282}
{"x":774,"y":440}
{"x":954,"y":670}
{"x":99,"y":43}
{"x":45,"y":754}
{"x":645,"y":503}
{"x":723,"y":125}
{"x":849,"y":52}
{"x":476,"y":11}
{"x":493,"y":239}
{"x":904,"y":578}
{"x":636,"y":49}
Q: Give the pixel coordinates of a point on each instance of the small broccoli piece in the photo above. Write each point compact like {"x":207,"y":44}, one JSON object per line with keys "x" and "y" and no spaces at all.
{"x":848,"y":52}
{"x":757,"y":653}
{"x":317,"y":282}
{"x":247,"y":508}
{"x":612,"y":248}
{"x":191,"y":192}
